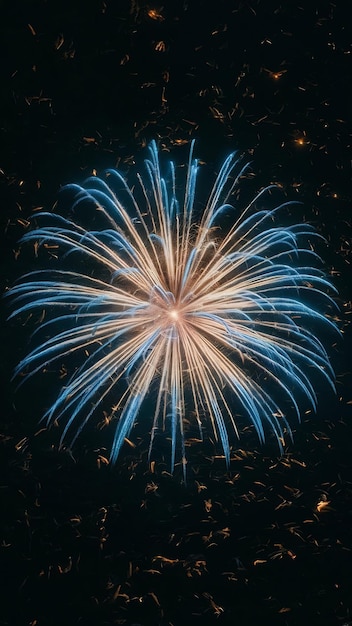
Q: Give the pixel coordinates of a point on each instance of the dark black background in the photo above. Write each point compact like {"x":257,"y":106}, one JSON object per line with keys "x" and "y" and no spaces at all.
{"x":87,"y":85}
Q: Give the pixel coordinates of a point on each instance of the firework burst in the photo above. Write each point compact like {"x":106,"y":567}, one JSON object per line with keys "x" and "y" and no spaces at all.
{"x":212,"y":323}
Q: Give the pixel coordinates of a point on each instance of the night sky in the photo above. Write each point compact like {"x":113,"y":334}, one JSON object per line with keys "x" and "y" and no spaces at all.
{"x":85,"y":85}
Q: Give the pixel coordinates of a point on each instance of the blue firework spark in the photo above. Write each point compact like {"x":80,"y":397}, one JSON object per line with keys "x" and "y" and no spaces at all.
{"x":209,"y":322}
